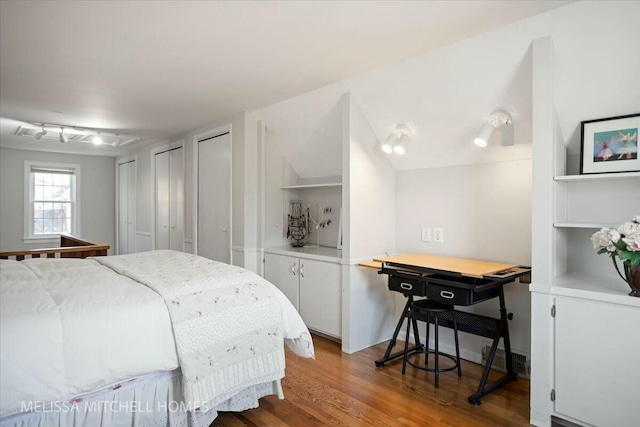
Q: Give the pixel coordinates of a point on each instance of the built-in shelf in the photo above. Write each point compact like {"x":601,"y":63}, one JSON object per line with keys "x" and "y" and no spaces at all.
{"x":300,"y":187}
{"x":598,"y":288}
{"x":596,"y":177}
{"x":583,"y":225}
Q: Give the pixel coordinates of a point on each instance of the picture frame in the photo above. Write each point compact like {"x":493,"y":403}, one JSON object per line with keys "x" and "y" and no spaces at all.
{"x":610,"y":145}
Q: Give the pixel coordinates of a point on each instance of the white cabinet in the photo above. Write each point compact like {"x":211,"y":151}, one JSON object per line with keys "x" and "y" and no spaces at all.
{"x":169,"y":200}
{"x":126,"y":207}
{"x":596,"y":362}
{"x":312,"y":286}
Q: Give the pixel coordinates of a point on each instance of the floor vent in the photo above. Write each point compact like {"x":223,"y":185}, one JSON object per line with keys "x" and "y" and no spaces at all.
{"x":520,"y":363}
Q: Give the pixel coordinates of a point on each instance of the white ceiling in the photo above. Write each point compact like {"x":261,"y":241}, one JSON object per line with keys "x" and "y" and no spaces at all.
{"x":156,"y":69}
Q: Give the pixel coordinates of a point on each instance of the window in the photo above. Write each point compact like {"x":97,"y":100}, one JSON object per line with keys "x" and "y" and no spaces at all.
{"x":52,"y":203}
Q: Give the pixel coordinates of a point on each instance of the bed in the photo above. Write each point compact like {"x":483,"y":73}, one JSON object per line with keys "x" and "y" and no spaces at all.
{"x":149,"y":339}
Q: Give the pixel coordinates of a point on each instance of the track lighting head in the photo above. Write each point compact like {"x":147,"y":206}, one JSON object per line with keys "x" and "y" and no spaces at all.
{"x":399,"y":148}
{"x":40,"y":134}
{"x":63,"y":138}
{"x":497,"y":120}
{"x":387,"y":147}
{"x":97,"y":140}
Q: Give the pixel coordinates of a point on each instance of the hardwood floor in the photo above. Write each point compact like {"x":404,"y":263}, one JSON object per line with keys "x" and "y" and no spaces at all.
{"x":338,"y":389}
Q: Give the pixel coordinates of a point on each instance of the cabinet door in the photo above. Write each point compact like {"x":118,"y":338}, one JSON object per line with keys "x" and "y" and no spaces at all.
{"x":321,"y":296}
{"x":596,"y":362}
{"x":282,"y":271}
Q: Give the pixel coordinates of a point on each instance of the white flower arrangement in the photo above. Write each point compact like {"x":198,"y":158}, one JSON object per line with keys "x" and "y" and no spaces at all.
{"x":623,"y":242}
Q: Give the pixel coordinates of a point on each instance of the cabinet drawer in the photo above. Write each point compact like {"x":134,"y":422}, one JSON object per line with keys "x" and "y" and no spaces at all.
{"x":407,"y":286}
{"x":458,"y":296}
{"x":440,"y":293}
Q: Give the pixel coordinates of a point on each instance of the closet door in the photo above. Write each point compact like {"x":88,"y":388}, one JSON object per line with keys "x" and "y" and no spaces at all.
{"x":176,"y":200}
{"x":126,"y":207}
{"x":123,"y":208}
{"x":162,"y":200}
{"x":131,"y":207}
{"x":214,"y":198}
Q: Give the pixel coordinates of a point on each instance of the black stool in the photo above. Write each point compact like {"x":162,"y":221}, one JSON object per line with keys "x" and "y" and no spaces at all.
{"x":425,"y":310}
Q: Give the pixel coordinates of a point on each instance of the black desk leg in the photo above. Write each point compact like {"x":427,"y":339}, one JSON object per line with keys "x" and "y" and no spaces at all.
{"x":418,"y":346}
{"x":502,"y":332}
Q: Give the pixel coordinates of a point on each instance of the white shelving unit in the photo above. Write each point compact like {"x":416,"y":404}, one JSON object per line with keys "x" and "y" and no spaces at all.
{"x":304,"y":186}
{"x":582,"y":225}
{"x":583,"y":348}
{"x":597,"y":177}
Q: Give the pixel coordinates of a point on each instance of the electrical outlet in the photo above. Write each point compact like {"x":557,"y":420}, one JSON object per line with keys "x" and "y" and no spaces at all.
{"x":426,"y":234}
{"x":438,"y":234}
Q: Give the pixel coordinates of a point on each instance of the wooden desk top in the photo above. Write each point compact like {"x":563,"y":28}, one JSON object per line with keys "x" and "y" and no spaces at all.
{"x":466,"y":267}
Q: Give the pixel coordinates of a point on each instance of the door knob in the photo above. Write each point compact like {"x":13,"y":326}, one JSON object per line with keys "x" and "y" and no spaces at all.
{"x":225,"y":229}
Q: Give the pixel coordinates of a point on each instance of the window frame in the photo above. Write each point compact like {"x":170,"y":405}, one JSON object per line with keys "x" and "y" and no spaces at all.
{"x":28,"y":235}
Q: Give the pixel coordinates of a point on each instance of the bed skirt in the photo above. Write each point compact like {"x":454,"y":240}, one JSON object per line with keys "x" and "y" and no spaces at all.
{"x":152,"y":400}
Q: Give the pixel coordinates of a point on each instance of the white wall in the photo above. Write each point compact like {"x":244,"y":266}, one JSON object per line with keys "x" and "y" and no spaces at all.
{"x":97,"y":196}
{"x":485,"y":211}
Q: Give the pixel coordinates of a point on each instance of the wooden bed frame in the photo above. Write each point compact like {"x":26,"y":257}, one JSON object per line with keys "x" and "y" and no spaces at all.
{"x":70,"y":247}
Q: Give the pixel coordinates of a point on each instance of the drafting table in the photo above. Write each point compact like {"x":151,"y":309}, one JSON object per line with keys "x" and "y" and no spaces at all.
{"x":454,"y":281}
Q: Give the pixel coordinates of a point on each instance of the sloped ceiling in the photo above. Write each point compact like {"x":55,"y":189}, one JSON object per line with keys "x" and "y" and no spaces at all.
{"x":443,"y":96}
{"x":156,"y":69}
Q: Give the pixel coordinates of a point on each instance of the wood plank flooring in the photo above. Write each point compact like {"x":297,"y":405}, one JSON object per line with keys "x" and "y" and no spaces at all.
{"x":338,"y":389}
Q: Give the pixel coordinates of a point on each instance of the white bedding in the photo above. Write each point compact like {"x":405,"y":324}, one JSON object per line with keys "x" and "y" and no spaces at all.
{"x":70,"y":326}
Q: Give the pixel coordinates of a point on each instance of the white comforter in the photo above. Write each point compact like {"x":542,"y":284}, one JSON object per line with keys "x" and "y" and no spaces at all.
{"x":70,"y":326}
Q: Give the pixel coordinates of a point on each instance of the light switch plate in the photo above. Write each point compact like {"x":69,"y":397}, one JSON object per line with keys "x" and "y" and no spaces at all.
{"x":426,"y":234}
{"x":438,"y":234}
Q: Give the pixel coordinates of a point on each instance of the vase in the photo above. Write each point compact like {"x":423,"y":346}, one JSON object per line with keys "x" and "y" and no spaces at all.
{"x":631,"y":276}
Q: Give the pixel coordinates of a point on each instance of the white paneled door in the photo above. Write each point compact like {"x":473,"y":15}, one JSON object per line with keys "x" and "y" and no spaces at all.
{"x":214,"y":198}
{"x":169,"y":185}
{"x":126,"y":207}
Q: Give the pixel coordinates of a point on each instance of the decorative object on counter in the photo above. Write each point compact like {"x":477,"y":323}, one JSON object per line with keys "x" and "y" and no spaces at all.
{"x":622,"y":242}
{"x":297,"y":223}
{"x":610,"y":145}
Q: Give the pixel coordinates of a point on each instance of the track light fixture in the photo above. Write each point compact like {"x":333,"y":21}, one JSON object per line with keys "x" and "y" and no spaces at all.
{"x":497,"y":120}
{"x":63,"y":138}
{"x":40,"y":134}
{"x":397,"y":141}
{"x":73,"y":134}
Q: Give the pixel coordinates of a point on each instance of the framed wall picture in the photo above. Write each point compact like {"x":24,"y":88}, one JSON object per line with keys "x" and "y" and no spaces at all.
{"x":610,"y":145}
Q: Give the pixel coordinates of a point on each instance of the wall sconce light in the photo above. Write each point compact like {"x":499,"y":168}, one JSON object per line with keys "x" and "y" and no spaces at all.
{"x":497,"y":120}
{"x":397,"y":141}
{"x":63,"y":138}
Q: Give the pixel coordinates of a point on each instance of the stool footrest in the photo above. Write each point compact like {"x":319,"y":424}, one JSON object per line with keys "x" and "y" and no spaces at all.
{"x":424,"y":368}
